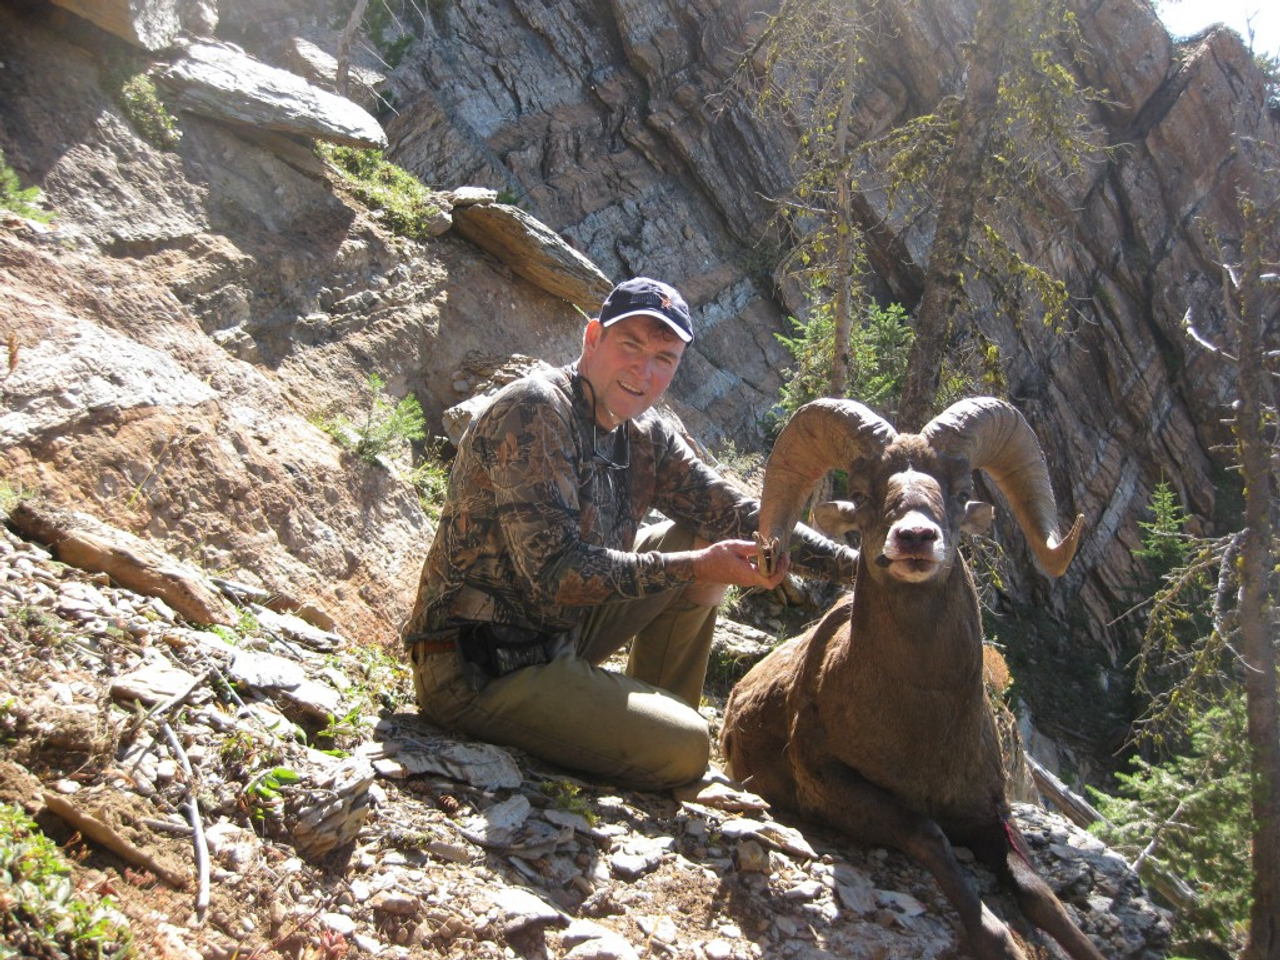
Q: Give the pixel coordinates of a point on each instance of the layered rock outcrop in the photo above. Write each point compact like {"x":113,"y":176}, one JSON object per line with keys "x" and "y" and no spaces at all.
{"x":195,"y":312}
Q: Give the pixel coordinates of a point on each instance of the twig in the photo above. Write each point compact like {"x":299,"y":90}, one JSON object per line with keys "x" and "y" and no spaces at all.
{"x":160,"y":709}
{"x":198,"y":842}
{"x":168,"y":826}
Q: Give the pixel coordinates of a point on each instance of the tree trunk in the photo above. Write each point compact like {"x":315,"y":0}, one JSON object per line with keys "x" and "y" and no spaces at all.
{"x":1256,"y":602}
{"x":844,"y":231}
{"x":344,"y":47}
{"x":962,"y":186}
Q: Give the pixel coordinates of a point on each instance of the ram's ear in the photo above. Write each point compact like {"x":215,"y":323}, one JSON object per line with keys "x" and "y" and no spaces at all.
{"x":977,"y":517}
{"x":836,"y":517}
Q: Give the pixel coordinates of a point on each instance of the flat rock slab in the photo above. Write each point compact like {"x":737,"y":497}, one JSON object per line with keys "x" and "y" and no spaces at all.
{"x":83,"y":541}
{"x":221,"y":81}
{"x":533,"y":250}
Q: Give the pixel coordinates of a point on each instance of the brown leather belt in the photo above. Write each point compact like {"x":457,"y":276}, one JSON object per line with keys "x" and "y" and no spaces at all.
{"x":435,"y":646}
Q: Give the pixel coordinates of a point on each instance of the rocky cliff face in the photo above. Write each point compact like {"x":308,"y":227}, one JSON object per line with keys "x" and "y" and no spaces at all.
{"x":195,"y":309}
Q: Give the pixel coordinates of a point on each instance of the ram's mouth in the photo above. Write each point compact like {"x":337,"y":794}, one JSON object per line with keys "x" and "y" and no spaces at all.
{"x":908,"y":567}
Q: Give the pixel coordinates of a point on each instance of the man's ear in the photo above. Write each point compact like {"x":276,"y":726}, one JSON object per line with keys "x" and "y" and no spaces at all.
{"x":592,"y":334}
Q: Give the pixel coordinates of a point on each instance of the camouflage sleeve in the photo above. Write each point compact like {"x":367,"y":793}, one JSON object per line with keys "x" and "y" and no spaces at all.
{"x":530,"y":452}
{"x":690,"y":491}
{"x":814,"y":555}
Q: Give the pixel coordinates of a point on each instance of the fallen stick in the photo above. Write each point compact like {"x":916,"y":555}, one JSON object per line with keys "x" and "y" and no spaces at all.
{"x":102,"y":834}
{"x":198,"y":842}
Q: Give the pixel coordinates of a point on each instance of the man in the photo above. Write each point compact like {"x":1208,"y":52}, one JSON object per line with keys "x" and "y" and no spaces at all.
{"x":536,"y":574}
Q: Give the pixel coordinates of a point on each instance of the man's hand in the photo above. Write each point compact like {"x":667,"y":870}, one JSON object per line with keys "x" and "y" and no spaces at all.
{"x":734,"y":562}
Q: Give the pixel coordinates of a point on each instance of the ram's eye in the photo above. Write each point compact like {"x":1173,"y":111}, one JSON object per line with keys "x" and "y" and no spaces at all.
{"x":964,"y":495}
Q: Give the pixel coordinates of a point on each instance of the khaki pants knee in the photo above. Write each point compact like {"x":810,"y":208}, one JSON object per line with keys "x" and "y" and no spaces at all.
{"x":574,"y":714}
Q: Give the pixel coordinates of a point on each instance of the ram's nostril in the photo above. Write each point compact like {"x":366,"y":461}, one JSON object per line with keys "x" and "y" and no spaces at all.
{"x":921,"y":536}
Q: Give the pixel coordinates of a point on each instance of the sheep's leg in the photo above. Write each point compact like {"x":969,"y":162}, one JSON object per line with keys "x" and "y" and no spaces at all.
{"x":1038,"y":902}
{"x":844,"y":799}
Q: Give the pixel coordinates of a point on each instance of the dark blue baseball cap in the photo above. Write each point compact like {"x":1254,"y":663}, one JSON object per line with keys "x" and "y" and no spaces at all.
{"x":644,"y":297}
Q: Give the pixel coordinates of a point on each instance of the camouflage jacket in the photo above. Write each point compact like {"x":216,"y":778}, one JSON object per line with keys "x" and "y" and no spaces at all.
{"x":537,"y":527}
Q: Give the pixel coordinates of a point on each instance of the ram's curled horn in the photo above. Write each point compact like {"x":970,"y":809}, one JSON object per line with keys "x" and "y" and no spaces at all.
{"x":820,"y":436}
{"x":997,"y":440}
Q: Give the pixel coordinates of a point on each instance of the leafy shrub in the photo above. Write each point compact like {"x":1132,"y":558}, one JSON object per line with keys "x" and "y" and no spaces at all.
{"x":17,"y":199}
{"x":41,"y":912}
{"x":403,"y":202}
{"x":1194,"y":809}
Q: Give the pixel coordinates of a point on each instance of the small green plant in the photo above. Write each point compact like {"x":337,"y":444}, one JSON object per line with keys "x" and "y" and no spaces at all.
{"x":246,"y":626}
{"x":387,"y":681}
{"x":142,"y":105}
{"x":343,"y":731}
{"x":568,"y":797}
{"x":41,"y":912}
{"x":378,"y":20}
{"x":430,"y":478}
{"x":237,"y":748}
{"x":1165,"y":544}
{"x":10,"y":497}
{"x":402,"y":201}
{"x":386,"y":427}
{"x":42,"y":628}
{"x":24,"y":201}
{"x":262,"y":794}
{"x":742,"y":464}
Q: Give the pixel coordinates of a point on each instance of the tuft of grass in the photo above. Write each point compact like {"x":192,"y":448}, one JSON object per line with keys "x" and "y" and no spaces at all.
{"x":10,"y":497}
{"x":430,"y":478}
{"x":141,"y":104}
{"x":402,"y":201}
{"x":139,"y":100}
{"x":568,"y":797}
{"x":41,"y":912}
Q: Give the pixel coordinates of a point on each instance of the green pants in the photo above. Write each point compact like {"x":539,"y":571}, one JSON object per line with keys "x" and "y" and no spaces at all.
{"x":639,"y":729}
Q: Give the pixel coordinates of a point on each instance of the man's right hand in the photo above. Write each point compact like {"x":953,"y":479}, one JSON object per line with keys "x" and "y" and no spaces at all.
{"x":734,"y":562}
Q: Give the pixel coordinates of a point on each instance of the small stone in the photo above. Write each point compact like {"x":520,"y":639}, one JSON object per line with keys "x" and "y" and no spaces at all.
{"x":752,"y":857}
{"x":338,"y":923}
{"x":805,"y":890}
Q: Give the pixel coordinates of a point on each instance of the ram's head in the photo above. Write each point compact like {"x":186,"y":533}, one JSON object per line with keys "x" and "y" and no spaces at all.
{"x":911,"y":495}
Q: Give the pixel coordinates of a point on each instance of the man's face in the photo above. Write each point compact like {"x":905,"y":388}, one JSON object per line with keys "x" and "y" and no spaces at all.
{"x":630,"y":365}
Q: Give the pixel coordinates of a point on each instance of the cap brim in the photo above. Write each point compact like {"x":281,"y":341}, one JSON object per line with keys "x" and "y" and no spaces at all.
{"x":684,"y":335}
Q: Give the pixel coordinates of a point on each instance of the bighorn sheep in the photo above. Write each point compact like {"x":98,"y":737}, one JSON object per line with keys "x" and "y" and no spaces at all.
{"x":875,"y":721}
